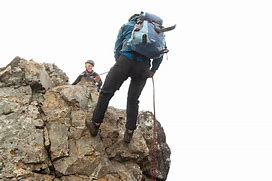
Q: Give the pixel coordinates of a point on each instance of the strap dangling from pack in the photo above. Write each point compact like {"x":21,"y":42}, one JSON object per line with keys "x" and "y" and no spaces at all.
{"x":162,"y":29}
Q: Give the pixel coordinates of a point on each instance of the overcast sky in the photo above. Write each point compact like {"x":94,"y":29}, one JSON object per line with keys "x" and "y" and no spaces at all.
{"x":213,"y":94}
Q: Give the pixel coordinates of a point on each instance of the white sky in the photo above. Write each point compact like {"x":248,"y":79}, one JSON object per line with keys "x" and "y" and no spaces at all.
{"x":213,"y":94}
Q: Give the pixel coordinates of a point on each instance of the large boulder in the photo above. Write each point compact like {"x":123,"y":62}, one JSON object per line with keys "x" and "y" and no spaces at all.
{"x":43,"y":134}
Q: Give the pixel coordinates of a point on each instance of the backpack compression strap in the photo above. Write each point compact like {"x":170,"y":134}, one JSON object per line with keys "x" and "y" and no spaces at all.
{"x":161,"y":30}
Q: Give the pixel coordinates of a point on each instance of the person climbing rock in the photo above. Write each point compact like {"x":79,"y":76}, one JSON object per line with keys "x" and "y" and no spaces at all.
{"x":89,"y":74}
{"x":129,"y":63}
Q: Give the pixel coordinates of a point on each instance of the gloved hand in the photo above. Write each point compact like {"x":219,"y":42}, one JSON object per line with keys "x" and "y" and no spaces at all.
{"x":151,"y":73}
{"x":97,"y":79}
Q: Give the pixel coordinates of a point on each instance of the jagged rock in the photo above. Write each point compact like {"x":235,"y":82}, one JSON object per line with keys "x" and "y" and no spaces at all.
{"x":75,"y":178}
{"x":37,"y":177}
{"x":58,"y":136}
{"x":22,"y":144}
{"x":43,"y":134}
{"x":57,"y":76}
{"x":39,"y":76}
{"x":162,"y":152}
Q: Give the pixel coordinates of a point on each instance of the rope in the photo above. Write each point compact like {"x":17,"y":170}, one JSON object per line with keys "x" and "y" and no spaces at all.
{"x":104,"y":73}
{"x":155,"y":143}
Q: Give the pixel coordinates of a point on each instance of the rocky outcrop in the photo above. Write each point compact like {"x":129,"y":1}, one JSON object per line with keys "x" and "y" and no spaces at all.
{"x":43,"y":134}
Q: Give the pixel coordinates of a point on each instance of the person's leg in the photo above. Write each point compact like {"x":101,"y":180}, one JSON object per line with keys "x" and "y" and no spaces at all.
{"x":135,"y":89}
{"x":139,"y":75}
{"x":115,"y":78}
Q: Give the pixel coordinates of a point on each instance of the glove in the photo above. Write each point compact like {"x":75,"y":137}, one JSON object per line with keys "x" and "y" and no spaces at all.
{"x":151,"y":73}
{"x":97,"y":79}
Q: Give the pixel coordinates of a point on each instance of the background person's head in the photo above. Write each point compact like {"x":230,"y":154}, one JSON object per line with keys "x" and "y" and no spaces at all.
{"x":89,"y":64}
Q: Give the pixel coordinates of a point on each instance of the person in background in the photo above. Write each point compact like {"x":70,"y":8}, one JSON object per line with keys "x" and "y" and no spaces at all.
{"x":89,"y":74}
{"x":128,"y":64}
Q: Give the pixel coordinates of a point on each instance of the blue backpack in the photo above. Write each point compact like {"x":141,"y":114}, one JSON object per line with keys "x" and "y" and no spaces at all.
{"x":148,"y":37}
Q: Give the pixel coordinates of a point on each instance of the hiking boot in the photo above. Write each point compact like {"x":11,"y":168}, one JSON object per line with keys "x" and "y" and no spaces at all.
{"x":128,"y":135}
{"x":92,"y":127}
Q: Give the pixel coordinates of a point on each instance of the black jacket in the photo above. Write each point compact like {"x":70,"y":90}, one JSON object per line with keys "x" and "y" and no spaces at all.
{"x":89,"y":76}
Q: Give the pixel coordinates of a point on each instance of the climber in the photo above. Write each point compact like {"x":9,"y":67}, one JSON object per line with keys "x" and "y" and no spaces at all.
{"x":128,"y":64}
{"x":90,"y":75}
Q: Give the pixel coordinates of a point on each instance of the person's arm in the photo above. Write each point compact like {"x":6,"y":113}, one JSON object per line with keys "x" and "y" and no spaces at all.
{"x":156,"y":64}
{"x":77,"y":80}
{"x":98,"y":81}
{"x":99,"y":84}
{"x":118,"y":43}
{"x":124,"y":34}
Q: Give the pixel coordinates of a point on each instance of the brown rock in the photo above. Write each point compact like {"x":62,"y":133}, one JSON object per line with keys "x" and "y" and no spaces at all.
{"x":43,"y":134}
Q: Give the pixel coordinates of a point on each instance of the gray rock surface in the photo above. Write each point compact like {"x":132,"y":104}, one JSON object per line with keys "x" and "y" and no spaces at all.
{"x":43,"y":134}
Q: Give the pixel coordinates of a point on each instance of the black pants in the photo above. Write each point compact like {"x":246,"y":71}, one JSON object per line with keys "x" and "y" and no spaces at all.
{"x":122,"y":69}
